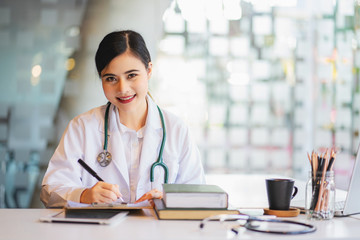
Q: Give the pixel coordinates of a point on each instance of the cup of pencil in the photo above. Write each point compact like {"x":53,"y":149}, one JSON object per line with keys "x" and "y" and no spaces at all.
{"x":320,"y":188}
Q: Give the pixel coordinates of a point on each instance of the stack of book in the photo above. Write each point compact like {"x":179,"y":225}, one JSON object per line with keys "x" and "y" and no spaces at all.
{"x":192,"y":201}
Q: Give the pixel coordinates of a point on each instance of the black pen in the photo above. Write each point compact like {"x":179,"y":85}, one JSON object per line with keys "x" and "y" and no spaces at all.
{"x":92,"y":172}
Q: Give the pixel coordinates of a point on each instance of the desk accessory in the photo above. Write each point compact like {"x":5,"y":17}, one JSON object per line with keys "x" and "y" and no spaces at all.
{"x":280,"y":191}
{"x":291,"y":212}
{"x":320,"y":189}
{"x":194,"y":196}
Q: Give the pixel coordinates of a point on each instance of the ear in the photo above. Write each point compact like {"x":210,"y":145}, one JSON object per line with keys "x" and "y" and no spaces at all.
{"x":149,"y":70}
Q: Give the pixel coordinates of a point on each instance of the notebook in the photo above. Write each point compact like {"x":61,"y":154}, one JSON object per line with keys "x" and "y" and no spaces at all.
{"x":351,"y":204}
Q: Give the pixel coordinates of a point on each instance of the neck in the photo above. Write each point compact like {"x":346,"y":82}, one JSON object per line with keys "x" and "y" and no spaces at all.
{"x":134,"y":119}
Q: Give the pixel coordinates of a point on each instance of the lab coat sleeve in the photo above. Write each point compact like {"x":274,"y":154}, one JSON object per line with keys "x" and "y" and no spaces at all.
{"x":190,"y":166}
{"x":62,"y":180}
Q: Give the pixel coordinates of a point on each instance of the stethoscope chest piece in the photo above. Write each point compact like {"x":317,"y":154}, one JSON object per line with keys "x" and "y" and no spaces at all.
{"x":104,"y":158}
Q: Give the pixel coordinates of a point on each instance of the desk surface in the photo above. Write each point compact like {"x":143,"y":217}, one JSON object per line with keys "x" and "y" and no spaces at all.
{"x":24,"y":224}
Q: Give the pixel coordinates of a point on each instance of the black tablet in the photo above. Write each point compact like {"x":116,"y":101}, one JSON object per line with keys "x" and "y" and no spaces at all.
{"x":106,"y":217}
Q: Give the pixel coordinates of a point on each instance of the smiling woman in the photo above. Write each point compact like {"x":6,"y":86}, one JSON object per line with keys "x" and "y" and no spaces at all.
{"x":133,"y":125}
{"x":124,"y":65}
{"x":125,"y":83}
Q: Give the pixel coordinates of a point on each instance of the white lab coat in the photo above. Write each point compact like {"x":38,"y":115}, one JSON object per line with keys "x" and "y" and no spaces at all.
{"x":83,"y":138}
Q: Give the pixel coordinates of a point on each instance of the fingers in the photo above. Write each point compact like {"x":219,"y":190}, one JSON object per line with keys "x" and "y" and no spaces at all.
{"x":101,"y":192}
{"x":113,"y":188}
{"x":144,"y":197}
{"x":152,"y":203}
{"x":157,"y":194}
{"x":154,"y":193}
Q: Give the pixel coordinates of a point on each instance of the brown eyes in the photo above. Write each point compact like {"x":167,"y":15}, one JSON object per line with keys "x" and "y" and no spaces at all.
{"x":110,"y":79}
{"x":132,"y":75}
{"x":115,"y":79}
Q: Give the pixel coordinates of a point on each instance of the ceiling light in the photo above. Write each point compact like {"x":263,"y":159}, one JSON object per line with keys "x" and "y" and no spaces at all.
{"x":70,"y":64}
{"x":36,"y":71}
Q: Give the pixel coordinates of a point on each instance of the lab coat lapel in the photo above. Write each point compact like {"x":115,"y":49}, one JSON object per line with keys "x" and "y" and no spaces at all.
{"x":151,"y":143}
{"x":113,"y":118}
{"x":115,"y":143}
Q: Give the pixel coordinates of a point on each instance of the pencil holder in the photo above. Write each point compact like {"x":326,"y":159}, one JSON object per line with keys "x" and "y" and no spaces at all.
{"x":320,"y":195}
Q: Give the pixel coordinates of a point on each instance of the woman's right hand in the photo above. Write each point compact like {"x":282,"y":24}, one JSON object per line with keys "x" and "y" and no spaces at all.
{"x":101,"y":192}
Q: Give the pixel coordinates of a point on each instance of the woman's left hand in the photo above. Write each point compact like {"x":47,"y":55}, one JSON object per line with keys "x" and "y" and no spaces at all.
{"x":154,"y":193}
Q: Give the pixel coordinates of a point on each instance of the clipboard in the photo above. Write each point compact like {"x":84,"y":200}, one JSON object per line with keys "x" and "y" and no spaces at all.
{"x":102,"y":206}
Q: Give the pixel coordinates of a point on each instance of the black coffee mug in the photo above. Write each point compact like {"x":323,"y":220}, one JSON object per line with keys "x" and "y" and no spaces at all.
{"x":280,"y":191}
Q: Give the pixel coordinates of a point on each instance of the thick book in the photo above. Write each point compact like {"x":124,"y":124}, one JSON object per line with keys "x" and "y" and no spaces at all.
{"x":194,"y":196}
{"x":165,"y":213}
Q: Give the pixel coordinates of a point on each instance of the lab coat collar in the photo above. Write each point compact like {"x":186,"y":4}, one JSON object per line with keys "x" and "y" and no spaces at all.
{"x":153,"y":119}
{"x":113,"y":118}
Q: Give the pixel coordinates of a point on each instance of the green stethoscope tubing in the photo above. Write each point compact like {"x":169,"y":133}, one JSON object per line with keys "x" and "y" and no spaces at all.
{"x":106,"y":126}
{"x":159,"y":161}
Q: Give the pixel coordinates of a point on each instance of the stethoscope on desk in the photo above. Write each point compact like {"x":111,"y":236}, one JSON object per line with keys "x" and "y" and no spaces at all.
{"x":263,"y":224}
{"x":104,"y":158}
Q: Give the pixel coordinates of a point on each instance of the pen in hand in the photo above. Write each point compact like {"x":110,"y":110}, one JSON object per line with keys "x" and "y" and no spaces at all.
{"x":87,"y":168}
{"x":92,"y":172}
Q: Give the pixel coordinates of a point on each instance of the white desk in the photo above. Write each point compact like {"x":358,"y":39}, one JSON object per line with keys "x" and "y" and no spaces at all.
{"x":23,"y":223}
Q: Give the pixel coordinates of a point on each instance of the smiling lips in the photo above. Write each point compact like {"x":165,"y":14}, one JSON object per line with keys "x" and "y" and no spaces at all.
{"x":126,"y":99}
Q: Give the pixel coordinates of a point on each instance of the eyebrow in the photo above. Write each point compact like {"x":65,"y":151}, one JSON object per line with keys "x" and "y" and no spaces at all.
{"x":132,"y":70}
{"x":108,"y":75}
{"x":112,"y":75}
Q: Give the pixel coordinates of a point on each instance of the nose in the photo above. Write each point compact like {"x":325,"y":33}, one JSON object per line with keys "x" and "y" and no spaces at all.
{"x":122,"y":86}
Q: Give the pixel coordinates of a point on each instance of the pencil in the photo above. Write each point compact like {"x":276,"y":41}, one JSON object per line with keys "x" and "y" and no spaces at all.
{"x":323,"y":169}
{"x":321,"y":164}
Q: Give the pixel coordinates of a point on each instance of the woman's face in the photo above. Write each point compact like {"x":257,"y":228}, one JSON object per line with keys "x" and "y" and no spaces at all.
{"x":125,"y":82}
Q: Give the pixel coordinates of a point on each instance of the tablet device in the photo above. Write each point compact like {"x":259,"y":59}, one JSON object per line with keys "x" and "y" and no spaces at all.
{"x":106,"y":217}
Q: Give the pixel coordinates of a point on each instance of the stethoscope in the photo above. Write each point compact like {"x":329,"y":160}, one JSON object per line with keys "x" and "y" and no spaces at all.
{"x":274,"y":226}
{"x":104,"y":158}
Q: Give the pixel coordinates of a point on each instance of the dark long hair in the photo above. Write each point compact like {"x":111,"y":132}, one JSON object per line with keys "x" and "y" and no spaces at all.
{"x":116,"y":43}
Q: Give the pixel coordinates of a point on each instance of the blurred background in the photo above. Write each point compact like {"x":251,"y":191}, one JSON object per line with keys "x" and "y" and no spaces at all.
{"x":260,"y":82}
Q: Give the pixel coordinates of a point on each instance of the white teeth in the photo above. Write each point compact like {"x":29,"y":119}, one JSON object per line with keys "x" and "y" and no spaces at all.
{"x":124,"y":99}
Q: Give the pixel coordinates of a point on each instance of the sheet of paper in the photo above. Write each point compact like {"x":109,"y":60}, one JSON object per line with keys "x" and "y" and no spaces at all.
{"x":71,"y":204}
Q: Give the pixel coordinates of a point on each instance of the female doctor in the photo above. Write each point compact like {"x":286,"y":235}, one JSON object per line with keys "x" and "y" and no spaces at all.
{"x":134,"y":131}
